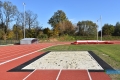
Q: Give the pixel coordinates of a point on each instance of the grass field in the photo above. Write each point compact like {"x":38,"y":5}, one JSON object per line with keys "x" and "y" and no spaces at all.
{"x":109,"y":53}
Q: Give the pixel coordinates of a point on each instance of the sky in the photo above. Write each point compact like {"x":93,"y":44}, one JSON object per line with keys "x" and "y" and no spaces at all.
{"x":76,"y":10}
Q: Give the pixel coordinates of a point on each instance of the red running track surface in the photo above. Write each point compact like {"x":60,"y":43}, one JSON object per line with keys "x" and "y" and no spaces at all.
{"x":11,"y":52}
{"x":43,"y":75}
{"x":99,"y":76}
{"x":66,"y":75}
{"x":74,"y":75}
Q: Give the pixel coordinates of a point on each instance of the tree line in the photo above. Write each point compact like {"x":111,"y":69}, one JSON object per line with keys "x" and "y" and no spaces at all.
{"x":113,"y":30}
{"x":59,"y":22}
{"x":10,"y":14}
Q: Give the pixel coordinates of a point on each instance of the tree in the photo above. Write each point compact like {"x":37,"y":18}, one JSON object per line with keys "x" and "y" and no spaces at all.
{"x":17,"y":31}
{"x":1,"y":16}
{"x":10,"y":35}
{"x":80,"y":30}
{"x":46,"y":31}
{"x":54,"y":21}
{"x":2,"y":28}
{"x":1,"y":4}
{"x":30,"y":19}
{"x":86,"y":28}
{"x":19,"y":18}
{"x":66,"y":27}
{"x":108,"y":29}
{"x":117,"y":29}
{"x":1,"y":34}
{"x":37,"y":28}
{"x":58,"y":16}
{"x":9,"y":11}
{"x":60,"y":24}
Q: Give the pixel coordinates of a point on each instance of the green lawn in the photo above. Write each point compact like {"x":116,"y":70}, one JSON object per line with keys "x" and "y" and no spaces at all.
{"x":112,"y":50}
{"x":110,"y":53}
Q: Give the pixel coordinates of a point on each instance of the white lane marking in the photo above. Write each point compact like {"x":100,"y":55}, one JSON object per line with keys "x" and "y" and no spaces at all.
{"x":89,"y":75}
{"x":29,"y":74}
{"x":58,"y":74}
{"x":13,"y":55}
{"x":28,"y":54}
{"x":21,"y":52}
{"x":8,"y":51}
{"x":23,"y":55}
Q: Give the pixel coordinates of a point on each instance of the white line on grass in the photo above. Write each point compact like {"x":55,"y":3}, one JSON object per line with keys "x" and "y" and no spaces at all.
{"x":23,"y":56}
{"x":58,"y":74}
{"x":89,"y":75}
{"x":29,"y":74}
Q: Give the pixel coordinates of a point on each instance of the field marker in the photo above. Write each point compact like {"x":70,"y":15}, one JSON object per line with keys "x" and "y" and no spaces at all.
{"x":58,"y":74}
{"x":89,"y":75}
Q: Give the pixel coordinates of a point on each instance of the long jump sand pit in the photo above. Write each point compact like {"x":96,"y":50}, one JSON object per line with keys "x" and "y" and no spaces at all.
{"x":65,"y":60}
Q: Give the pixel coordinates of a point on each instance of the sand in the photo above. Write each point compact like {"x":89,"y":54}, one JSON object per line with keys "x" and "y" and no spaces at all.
{"x":65,"y":60}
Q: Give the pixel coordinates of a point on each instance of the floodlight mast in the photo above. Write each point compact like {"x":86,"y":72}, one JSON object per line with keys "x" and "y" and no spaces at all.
{"x":97,"y":30}
{"x":101,"y":25}
{"x":24,"y":18}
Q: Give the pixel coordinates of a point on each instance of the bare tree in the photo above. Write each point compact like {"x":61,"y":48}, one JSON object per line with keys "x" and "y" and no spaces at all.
{"x":30,"y":19}
{"x":1,"y":17}
{"x":9,"y":11}
{"x":18,"y":18}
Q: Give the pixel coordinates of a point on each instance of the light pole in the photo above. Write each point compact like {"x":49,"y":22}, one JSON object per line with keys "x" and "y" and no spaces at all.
{"x":24,"y":18}
{"x":97,"y":30}
{"x":101,"y":25}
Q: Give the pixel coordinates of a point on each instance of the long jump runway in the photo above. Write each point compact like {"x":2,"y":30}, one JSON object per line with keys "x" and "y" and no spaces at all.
{"x":14,"y":56}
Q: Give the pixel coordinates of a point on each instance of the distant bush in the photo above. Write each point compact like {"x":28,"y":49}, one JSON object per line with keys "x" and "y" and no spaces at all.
{"x":111,"y":37}
{"x":66,"y":38}
{"x":42,"y":36}
{"x":85,"y":37}
{"x":73,"y":38}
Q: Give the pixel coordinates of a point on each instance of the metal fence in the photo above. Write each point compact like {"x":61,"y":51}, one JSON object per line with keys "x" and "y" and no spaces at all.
{"x":5,"y":42}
